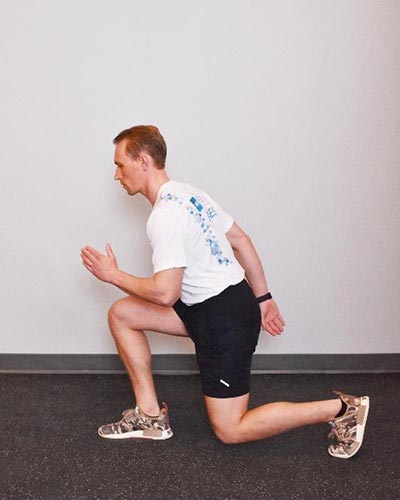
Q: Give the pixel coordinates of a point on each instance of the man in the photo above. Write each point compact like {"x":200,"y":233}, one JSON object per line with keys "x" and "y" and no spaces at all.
{"x":209,"y":284}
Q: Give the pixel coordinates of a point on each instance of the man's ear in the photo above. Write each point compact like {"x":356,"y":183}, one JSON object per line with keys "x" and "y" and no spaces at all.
{"x":145,"y":161}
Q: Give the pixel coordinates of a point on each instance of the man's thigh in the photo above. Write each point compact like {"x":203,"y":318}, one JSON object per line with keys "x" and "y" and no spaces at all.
{"x":140,"y":314}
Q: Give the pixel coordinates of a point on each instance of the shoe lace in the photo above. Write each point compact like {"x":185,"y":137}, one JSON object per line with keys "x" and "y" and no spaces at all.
{"x":343,"y":431}
{"x":129,"y":418}
{"x":345,"y":438}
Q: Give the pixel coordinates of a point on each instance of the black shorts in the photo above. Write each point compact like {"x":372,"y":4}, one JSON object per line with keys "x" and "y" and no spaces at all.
{"x":225,"y":330}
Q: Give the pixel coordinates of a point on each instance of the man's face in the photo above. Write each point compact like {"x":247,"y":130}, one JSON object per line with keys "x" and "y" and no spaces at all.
{"x":129,"y":172}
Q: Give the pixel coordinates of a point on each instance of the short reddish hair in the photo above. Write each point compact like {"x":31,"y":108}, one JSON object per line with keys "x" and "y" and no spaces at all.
{"x":144,"y":138}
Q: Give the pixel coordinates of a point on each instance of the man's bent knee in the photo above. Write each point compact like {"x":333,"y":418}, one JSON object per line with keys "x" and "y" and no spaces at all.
{"x":228,"y":433}
{"x":116,"y":313}
{"x":228,"y":436}
{"x":225,"y":415}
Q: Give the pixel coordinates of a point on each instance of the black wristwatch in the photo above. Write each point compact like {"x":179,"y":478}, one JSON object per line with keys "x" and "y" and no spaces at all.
{"x":264,"y":297}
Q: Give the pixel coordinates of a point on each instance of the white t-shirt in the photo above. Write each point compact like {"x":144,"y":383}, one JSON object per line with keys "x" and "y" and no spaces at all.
{"x":186,"y":228}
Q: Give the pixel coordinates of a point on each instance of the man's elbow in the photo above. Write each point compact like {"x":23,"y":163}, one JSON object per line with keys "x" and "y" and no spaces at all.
{"x":168,"y":299}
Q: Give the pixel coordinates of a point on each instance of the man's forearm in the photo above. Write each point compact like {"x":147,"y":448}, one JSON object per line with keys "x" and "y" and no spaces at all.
{"x":146,"y":288}
{"x":248,"y":258}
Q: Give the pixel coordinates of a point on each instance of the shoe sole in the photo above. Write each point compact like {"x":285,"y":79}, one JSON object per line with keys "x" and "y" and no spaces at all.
{"x":362,"y":416}
{"x":145,"y":434}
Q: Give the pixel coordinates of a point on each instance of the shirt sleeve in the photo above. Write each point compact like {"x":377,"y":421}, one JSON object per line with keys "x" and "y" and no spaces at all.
{"x":166,"y":232}
{"x":226,"y":220}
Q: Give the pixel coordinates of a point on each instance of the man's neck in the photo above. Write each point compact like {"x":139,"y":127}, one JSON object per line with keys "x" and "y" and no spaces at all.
{"x":154,"y":187}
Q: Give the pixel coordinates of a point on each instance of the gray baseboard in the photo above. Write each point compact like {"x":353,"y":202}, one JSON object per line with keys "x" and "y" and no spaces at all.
{"x":180,"y":364}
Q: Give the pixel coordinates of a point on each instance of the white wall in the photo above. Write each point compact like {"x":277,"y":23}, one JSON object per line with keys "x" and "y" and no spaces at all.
{"x":287,"y":112}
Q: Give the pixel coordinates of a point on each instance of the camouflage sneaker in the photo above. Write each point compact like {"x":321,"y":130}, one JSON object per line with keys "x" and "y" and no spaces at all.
{"x":348,"y":430}
{"x":136,"y":424}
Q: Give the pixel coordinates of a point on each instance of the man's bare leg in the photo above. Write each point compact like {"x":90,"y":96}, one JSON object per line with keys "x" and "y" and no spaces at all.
{"x":230,"y":418}
{"x":128,"y":318}
{"x":234,"y":423}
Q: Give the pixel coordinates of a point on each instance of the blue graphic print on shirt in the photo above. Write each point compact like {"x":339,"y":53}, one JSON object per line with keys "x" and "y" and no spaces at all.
{"x":196,"y":203}
{"x":211,"y":213}
{"x":204,"y":225}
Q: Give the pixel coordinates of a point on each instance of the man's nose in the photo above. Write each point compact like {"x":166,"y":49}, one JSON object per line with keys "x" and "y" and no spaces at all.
{"x":116,"y":175}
